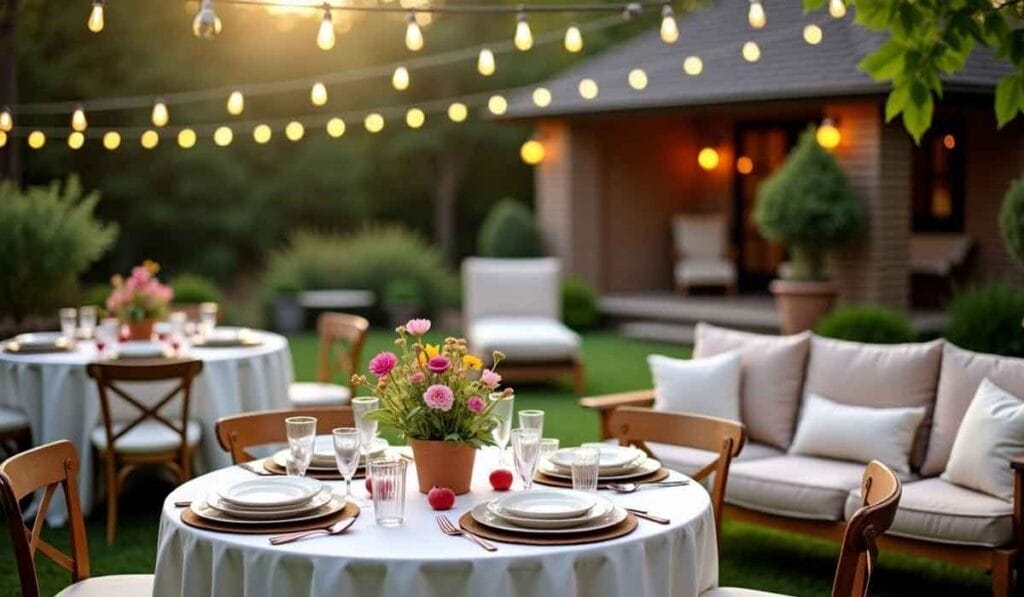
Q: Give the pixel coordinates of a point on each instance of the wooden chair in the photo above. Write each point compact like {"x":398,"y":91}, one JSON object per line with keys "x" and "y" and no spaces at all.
{"x":341,"y":346}
{"x":148,"y":437}
{"x":238,"y":432}
{"x":15,"y":433}
{"x":46,"y":467}
{"x":634,"y":426}
{"x":880,"y":492}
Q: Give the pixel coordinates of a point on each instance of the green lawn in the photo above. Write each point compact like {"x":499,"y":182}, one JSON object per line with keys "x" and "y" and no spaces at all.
{"x":750,"y":556}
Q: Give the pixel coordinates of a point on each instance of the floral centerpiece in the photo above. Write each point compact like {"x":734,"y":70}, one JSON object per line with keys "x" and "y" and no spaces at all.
{"x":140,"y":300}
{"x":437,"y":397}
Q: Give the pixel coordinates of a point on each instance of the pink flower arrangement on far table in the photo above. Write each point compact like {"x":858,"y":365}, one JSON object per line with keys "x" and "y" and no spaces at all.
{"x":141,"y":296}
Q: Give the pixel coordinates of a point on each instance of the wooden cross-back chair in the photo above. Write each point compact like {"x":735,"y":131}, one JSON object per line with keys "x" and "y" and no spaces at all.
{"x":49,"y":467}
{"x":238,"y":432}
{"x":635,"y":426}
{"x":143,"y":437}
{"x":341,"y":345}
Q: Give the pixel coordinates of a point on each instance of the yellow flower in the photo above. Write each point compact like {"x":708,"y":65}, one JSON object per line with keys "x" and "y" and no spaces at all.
{"x":471,"y":362}
{"x":429,"y":351}
{"x":151,"y":265}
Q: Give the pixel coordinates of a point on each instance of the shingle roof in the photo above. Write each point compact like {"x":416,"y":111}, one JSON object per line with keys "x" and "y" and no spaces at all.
{"x":789,"y":68}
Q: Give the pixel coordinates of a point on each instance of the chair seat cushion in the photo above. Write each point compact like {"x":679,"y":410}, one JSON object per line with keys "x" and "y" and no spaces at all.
{"x":318,"y":394}
{"x":147,"y":437}
{"x":120,"y":585}
{"x":690,"y":460}
{"x":738,"y":592}
{"x":705,"y":271}
{"x":524,"y":339}
{"x":11,"y":419}
{"x":795,"y":486}
{"x":936,"y":510}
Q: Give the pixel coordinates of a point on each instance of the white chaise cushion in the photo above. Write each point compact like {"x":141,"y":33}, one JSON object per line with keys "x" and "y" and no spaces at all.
{"x":795,"y":486}
{"x":11,"y":419}
{"x":511,"y":288}
{"x":936,"y":510}
{"x":524,"y":339}
{"x":309,"y":394}
{"x":150,"y":436}
{"x":697,"y":272}
{"x":709,"y":386}
{"x":119,"y":585}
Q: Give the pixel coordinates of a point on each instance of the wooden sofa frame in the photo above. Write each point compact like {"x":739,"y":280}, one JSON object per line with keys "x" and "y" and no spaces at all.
{"x":1005,"y":564}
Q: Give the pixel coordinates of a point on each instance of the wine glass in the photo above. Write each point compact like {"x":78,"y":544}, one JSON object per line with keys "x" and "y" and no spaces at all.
{"x":367,"y":426}
{"x":526,"y":448}
{"x":502,"y":411}
{"x":301,"y":437}
{"x":346,"y":453}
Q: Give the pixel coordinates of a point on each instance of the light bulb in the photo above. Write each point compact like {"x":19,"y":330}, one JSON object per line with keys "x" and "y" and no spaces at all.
{"x":524,"y":37}
{"x":75,"y":140}
{"x":497,"y":104}
{"x":573,"y":39}
{"x":325,"y":35}
{"x":751,"y":52}
{"x":111,"y":140}
{"x":541,"y":97}
{"x":485,"y":62}
{"x":457,"y":112}
{"x":756,"y":16}
{"x":3,"y":138}
{"x":637,"y":79}
{"x":693,"y":65}
{"x":223,"y":136}
{"x":669,"y":28}
{"x":261,"y":134}
{"x":837,"y":8}
{"x":532,"y":152}
{"x":236,"y":103}
{"x":206,"y":24}
{"x":318,"y":94}
{"x":335,"y":127}
{"x":6,"y":120}
{"x":186,"y":138}
{"x":149,"y":139}
{"x":160,"y":115}
{"x":812,"y":34}
{"x":400,"y":80}
{"x":415,"y":118}
{"x":708,"y":158}
{"x":588,"y":89}
{"x":95,"y":22}
{"x":828,"y":134}
{"x":374,"y":122}
{"x":78,"y":121}
{"x":413,"y":34}
{"x":744,"y":165}
{"x":36,"y":139}
{"x":294,"y":130}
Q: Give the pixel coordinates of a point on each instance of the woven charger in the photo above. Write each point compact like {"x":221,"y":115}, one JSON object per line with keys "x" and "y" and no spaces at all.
{"x":193,"y":520}
{"x":277,"y":469}
{"x":659,"y":475}
{"x":627,"y":526}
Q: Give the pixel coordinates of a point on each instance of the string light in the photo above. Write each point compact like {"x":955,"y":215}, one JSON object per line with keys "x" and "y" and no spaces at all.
{"x":36,"y":139}
{"x":457,"y":112}
{"x":541,"y":97}
{"x":413,"y":34}
{"x":223,"y":136}
{"x":497,"y":105}
{"x":76,"y":140}
{"x":149,"y":139}
{"x":160,"y":116}
{"x":3,"y":138}
{"x":335,"y":127}
{"x":693,"y":66}
{"x":374,"y":122}
{"x":532,"y":152}
{"x":325,"y":37}
{"x":236,"y":103}
{"x":485,"y":62}
{"x":318,"y":94}
{"x":669,"y":28}
{"x":837,"y":8}
{"x":751,"y":52}
{"x":573,"y":39}
{"x":111,"y":140}
{"x":186,"y":138}
{"x":415,"y":118}
{"x":828,"y":134}
{"x":95,"y":22}
{"x":812,"y":34}
{"x":6,"y":120}
{"x":78,"y":121}
{"x":637,"y":79}
{"x":207,"y":24}
{"x":588,"y":89}
{"x":261,"y":134}
{"x":400,"y":79}
{"x":756,"y":16}
{"x":294,"y":130}
{"x":524,"y":37}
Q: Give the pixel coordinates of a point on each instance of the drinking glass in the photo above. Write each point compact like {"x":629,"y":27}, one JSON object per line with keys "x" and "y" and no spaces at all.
{"x":207,"y":318}
{"x":346,"y":453}
{"x":548,"y":447}
{"x":87,"y":320}
{"x":388,"y":491}
{"x":526,"y":448}
{"x":301,"y":437}
{"x":68,"y":322}
{"x":108,"y":335}
{"x":179,"y":320}
{"x":585,"y":461}
{"x":532,"y":419}
{"x":502,"y":411}
{"x":367,"y":426}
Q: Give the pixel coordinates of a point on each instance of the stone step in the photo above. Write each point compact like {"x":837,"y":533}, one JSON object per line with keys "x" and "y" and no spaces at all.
{"x":671,"y":333}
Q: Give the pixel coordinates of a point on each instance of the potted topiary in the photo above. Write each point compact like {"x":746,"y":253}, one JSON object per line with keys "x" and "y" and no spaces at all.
{"x":1011,"y":220}
{"x":509,"y":231}
{"x":807,"y":205}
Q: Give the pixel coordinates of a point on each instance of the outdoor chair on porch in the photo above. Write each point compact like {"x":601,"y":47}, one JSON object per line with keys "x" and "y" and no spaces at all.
{"x":701,"y":246}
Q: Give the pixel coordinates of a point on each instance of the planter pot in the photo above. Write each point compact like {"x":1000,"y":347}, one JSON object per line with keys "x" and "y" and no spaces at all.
{"x":801,"y":304}
{"x":443,"y":464}
{"x":140,"y":330}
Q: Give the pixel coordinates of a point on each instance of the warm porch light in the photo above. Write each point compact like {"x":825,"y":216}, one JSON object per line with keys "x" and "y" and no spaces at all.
{"x":828,"y":135}
{"x":744,"y":165}
{"x":111,"y":140}
{"x":76,"y":140}
{"x":949,"y":141}
{"x":708,"y":158}
{"x":532,"y":152}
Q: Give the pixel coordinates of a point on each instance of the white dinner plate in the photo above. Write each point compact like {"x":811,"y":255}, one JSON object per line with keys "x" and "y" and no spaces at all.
{"x":272,"y":492}
{"x":482,"y":514}
{"x":601,"y":508}
{"x":323,"y":454}
{"x":547,"y":504}
{"x":37,"y":341}
{"x":609,"y":471}
{"x":611,"y":456}
{"x":203,"y":510}
{"x":647,"y":467}
{"x":224,"y":337}
{"x":141,"y":349}
{"x":214,"y":501}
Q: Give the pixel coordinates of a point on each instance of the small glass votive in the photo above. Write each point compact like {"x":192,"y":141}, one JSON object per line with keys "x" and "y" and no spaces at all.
{"x":585,"y":466}
{"x":207,"y":318}
{"x":388,"y":479}
{"x":87,"y":320}
{"x":68,"y":322}
{"x":548,"y":447}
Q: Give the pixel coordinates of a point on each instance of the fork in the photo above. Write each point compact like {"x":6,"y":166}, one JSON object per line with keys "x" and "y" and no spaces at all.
{"x":255,"y":469}
{"x":450,"y":529}
{"x":646,"y":515}
{"x":335,"y":529}
{"x":632,"y":487}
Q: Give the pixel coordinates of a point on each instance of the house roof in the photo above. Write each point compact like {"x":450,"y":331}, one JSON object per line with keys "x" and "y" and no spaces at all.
{"x":789,"y":68}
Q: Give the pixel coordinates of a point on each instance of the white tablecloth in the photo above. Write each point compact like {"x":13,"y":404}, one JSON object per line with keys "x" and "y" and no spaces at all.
{"x":417,"y":560}
{"x":61,"y":400}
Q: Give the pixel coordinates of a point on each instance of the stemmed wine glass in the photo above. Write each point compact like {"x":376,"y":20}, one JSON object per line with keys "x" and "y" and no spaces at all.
{"x":301,"y":437}
{"x":502,"y":411}
{"x":347,"y":441}
{"x":526,"y":448}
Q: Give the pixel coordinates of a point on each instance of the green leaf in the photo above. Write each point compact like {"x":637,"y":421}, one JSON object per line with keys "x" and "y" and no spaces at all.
{"x":875,"y":14}
{"x":917,"y":113}
{"x":898,"y":98}
{"x":884,"y":63}
{"x":905,"y":25}
{"x":1009,"y":98}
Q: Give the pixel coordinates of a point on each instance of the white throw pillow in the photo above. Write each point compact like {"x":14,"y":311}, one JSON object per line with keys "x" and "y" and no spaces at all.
{"x":991,"y":433}
{"x":857,"y":433}
{"x":708,"y":386}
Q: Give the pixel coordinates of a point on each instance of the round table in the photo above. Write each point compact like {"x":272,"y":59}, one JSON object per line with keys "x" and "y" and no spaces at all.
{"x":61,"y":400}
{"x":416,"y":559}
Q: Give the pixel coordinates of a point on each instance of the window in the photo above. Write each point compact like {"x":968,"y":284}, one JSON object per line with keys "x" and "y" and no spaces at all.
{"x":938,"y":184}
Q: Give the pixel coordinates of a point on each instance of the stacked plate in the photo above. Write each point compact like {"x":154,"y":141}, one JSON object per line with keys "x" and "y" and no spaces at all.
{"x":549,"y":512}
{"x":269,"y":501}
{"x":38,"y":342}
{"x":224,"y":337}
{"x":323,"y":455}
{"x":616,"y":463}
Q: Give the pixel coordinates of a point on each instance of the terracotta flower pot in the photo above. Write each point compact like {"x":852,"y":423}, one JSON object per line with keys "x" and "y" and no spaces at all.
{"x":140,"y":330}
{"x":443,"y":464}
{"x":801,"y":304}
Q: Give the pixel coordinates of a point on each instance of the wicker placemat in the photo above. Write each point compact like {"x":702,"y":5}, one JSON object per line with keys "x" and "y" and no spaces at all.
{"x":277,"y":469}
{"x":659,"y":475}
{"x":193,"y":520}
{"x":468,"y":523}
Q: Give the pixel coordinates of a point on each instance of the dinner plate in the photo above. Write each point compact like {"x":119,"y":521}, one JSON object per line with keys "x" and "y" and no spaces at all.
{"x":272,"y":492}
{"x":610,"y":456}
{"x":37,"y":342}
{"x":606,"y":471}
{"x":214,"y":501}
{"x":647,"y":467}
{"x":141,"y":349}
{"x":204,"y":510}
{"x":227,"y":337}
{"x":601,"y":508}
{"x":323,"y":454}
{"x":482,"y":514}
{"x":547,"y":504}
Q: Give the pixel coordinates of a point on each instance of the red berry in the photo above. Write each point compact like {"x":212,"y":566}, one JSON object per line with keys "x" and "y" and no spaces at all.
{"x":501,"y":479}
{"x":441,"y":498}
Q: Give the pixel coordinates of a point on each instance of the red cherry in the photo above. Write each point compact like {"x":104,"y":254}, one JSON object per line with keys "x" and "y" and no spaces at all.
{"x":501,"y":479}
{"x":441,"y":498}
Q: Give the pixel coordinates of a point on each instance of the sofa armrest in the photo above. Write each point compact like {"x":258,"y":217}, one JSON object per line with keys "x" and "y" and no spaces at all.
{"x":1017,"y":464}
{"x":607,"y":403}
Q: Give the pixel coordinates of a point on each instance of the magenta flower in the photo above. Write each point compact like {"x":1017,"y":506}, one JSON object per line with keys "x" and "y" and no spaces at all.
{"x":383,"y":363}
{"x":476,"y":404}
{"x":438,"y":364}
{"x":439,"y":397}
{"x":418,"y":327}
{"x":418,"y":377}
{"x":490,"y":378}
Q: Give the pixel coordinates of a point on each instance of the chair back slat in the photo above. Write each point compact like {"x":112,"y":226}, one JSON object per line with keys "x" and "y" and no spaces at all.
{"x":341,"y":345}
{"x":239,"y":432}
{"x":43,"y":468}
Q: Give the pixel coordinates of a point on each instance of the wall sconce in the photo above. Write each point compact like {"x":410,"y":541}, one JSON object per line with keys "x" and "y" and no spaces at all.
{"x":744,"y":165}
{"x":532,"y":152}
{"x":708,"y":158}
{"x":828,"y":134}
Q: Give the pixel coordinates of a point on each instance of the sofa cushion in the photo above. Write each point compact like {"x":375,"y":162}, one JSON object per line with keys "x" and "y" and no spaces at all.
{"x":690,"y":460}
{"x":794,"y":486}
{"x":771,"y":378}
{"x":936,"y":510}
{"x":878,"y":376}
{"x":708,"y":386}
{"x":962,"y":372}
{"x":524,"y":339}
{"x":511,"y":288}
{"x":705,"y":272}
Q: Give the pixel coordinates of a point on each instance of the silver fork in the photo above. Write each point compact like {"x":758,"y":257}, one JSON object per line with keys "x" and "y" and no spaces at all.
{"x":450,"y":529}
{"x":335,"y":529}
{"x":632,"y":487}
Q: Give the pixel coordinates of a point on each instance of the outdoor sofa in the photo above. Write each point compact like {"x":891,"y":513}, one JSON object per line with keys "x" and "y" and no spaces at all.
{"x":770,"y":484}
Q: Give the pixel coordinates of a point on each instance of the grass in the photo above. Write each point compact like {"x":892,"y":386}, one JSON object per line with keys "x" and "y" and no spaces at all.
{"x":751,"y":556}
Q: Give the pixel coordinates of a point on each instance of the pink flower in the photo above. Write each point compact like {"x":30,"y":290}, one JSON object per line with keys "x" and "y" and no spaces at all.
{"x":476,"y":404}
{"x":383,"y":363}
{"x":438,"y":364}
{"x":418,"y":377}
{"x":418,"y":327}
{"x":439,"y":397}
{"x":490,"y":378}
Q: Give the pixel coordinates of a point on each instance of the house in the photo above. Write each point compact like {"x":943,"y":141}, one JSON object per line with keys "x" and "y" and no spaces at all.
{"x":618,"y":166}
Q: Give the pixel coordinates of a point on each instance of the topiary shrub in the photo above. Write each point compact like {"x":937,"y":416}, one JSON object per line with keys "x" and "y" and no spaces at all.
{"x":509,"y":230}
{"x":988,"y":319}
{"x":193,"y":288}
{"x":867,"y":323}
{"x":1011,"y":220}
{"x":579,"y":305}
{"x":809,"y":206}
